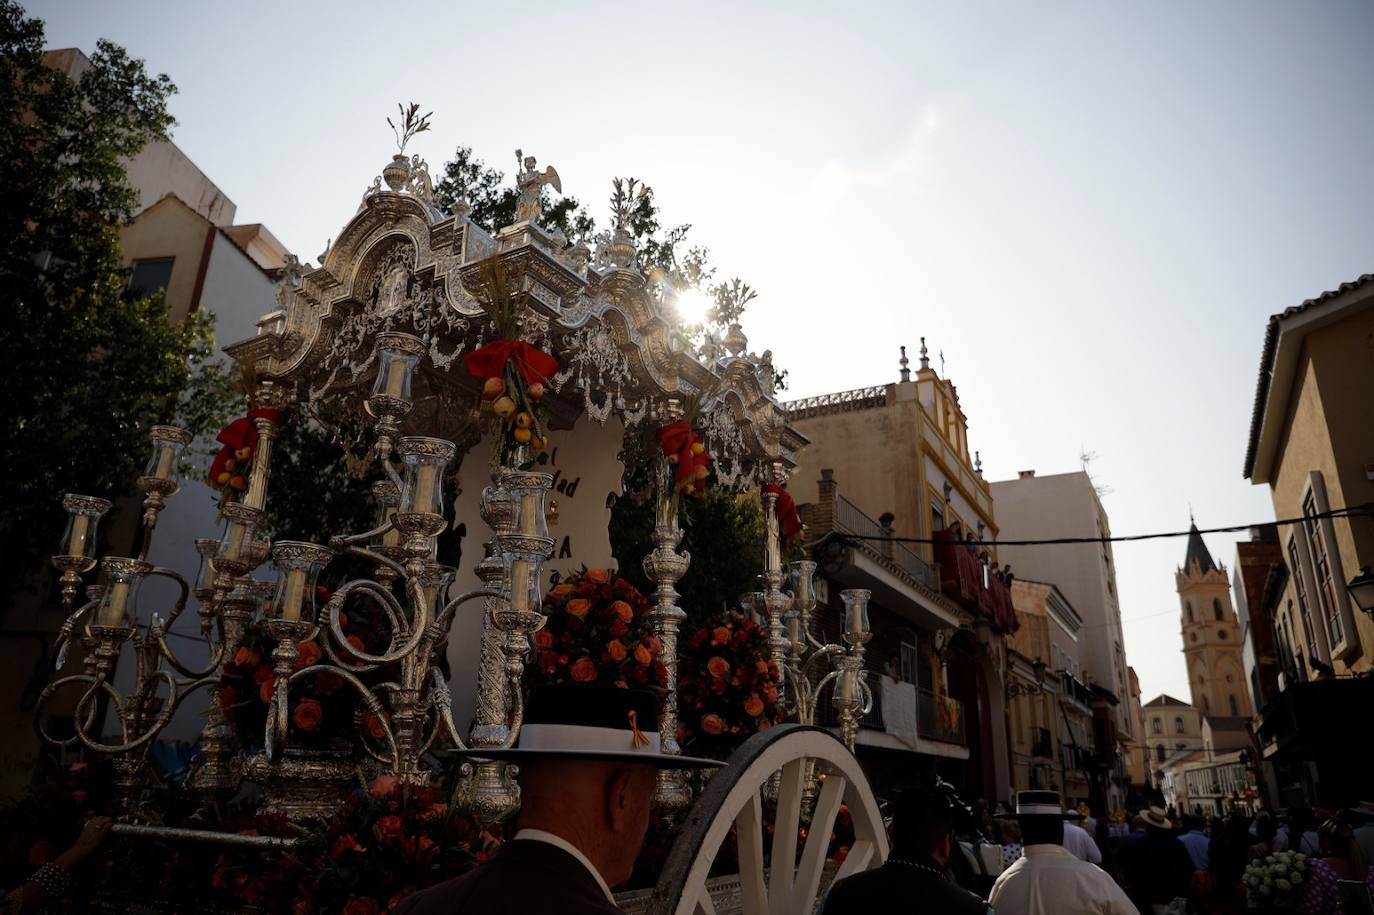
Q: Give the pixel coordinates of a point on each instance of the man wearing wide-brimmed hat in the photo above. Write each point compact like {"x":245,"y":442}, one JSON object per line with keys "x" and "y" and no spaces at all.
{"x":588,"y":757}
{"x":1154,"y":864}
{"x":1048,"y":880}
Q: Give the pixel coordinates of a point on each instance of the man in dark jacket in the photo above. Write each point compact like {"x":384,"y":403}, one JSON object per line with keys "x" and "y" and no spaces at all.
{"x":588,"y":762}
{"x":915,"y":871}
{"x":1154,"y":865}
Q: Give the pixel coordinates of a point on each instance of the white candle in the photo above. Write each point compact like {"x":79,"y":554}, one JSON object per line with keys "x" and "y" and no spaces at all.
{"x":166,"y":453}
{"x":520,"y":585}
{"x":78,"y":544}
{"x":422,"y":498}
{"x":293,"y":593}
{"x":116,"y":599}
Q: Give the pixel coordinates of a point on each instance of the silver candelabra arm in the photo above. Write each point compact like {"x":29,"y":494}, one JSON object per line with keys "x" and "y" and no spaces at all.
{"x":443,"y":702}
{"x":64,"y":633}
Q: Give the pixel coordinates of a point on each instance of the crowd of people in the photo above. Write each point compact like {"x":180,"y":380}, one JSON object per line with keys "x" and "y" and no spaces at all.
{"x":1043,"y":860}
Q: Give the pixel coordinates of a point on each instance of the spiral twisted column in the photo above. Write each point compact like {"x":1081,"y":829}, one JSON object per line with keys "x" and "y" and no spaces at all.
{"x":665,"y":567}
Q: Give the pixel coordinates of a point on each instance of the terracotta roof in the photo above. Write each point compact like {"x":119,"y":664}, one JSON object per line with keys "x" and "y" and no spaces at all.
{"x":1164,"y":699}
{"x":1271,"y":341}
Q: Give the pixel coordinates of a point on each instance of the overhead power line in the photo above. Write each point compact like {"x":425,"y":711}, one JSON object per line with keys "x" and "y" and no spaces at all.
{"x":1353,"y":512}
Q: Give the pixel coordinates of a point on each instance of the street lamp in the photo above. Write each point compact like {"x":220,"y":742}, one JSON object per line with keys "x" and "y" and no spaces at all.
{"x":1361,"y":588}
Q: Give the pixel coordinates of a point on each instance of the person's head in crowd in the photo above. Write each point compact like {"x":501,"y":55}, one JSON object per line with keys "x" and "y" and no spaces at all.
{"x":1192,"y":822}
{"x":1011,"y":832}
{"x":1337,"y":840}
{"x":1266,"y":827}
{"x":1156,"y":821}
{"x":1040,"y":815}
{"x":922,"y":825}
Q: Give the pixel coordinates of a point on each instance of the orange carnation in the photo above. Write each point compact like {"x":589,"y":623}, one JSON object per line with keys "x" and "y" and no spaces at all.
{"x":712,"y":724}
{"x":247,"y":657}
{"x":753,"y":706}
{"x":308,"y":714}
{"x":583,"y":670}
{"x":543,"y":638}
{"x":579,"y":607}
{"x":373,"y":724}
{"x":720,"y":635}
{"x":561,"y":590}
{"x":598,"y":576}
{"x":623,"y":610}
{"x":616,"y":649}
{"x":718,"y":666}
{"x":642,"y":653}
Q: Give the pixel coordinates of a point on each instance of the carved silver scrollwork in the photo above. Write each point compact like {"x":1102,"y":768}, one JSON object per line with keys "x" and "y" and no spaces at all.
{"x":599,"y":368}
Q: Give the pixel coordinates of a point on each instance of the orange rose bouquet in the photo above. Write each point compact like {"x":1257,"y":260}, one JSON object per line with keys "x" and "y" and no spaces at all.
{"x":728,"y":686}
{"x":322,"y":709}
{"x":598,"y":631}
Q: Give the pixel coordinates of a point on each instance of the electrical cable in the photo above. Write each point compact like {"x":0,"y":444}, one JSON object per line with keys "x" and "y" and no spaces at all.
{"x":1353,"y":512}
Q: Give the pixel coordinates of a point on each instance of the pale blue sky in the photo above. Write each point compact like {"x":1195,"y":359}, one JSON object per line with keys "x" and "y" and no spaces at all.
{"x":1091,"y":207}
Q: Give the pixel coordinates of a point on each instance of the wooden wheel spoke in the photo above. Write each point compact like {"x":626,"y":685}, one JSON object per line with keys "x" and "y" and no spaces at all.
{"x":784,"y":756}
{"x":808,"y":878}
{"x":785,"y":825}
{"x":749,"y":836}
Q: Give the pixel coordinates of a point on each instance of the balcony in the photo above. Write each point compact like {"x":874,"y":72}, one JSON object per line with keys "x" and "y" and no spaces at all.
{"x":936,"y":719}
{"x":851,"y":519}
{"x":965,"y":580}
{"x":853,"y":553}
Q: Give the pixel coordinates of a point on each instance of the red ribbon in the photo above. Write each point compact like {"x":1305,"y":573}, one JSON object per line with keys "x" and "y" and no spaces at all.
{"x":679,"y":439}
{"x":240,"y":434}
{"x":533,"y":364}
{"x":787,"y":512}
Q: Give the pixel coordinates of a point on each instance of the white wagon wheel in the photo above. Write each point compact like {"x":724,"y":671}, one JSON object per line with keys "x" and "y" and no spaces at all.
{"x":734,"y":797}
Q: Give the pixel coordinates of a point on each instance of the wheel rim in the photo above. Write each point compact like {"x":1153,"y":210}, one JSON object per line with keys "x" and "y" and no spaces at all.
{"x":734,"y":797}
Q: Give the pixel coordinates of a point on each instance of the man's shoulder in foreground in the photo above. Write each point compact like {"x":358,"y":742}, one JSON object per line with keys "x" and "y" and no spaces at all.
{"x":1050,"y":871}
{"x":524,"y":878}
{"x":876,"y":890}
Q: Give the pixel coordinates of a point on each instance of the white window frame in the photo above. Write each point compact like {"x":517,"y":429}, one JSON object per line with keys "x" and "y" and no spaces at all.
{"x":1304,"y":586}
{"x":1341,"y":646}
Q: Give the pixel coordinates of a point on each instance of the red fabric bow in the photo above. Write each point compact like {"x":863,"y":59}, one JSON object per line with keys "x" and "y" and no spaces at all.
{"x":241,"y":435}
{"x":787,"y":512}
{"x":533,"y":364}
{"x":680,"y":441}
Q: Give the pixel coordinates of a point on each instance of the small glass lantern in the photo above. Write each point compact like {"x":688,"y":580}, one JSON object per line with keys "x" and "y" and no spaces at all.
{"x":387,"y":497}
{"x":206,"y":548}
{"x":298,"y":567}
{"x":79,"y":539}
{"x":397,"y":356}
{"x":856,"y":630}
{"x":160,"y":473}
{"x":122,"y":578}
{"x":801,"y":575}
{"x":746,"y":603}
{"x":793,"y":621}
{"x":526,"y":492}
{"x":236,"y":542}
{"x":421,"y":507}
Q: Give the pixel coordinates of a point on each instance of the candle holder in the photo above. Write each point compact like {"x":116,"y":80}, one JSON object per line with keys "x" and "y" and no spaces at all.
{"x":78,"y":542}
{"x":397,"y":356}
{"x":159,"y":480}
{"x":419,"y":514}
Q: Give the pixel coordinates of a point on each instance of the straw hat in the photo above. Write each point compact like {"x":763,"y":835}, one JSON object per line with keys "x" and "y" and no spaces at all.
{"x":1156,"y":817}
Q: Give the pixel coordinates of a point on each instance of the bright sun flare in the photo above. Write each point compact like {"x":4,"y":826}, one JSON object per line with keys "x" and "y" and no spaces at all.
{"x":692,"y":306}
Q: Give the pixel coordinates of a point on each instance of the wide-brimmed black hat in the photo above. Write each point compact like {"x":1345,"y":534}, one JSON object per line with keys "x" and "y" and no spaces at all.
{"x":578,"y":721}
{"x":1039,"y":804}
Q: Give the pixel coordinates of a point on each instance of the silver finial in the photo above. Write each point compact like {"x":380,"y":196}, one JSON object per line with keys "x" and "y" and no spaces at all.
{"x":925,"y":358}
{"x":906,"y":365}
{"x":978,"y":464}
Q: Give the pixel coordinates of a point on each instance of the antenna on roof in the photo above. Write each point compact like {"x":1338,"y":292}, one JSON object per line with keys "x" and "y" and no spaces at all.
{"x":1086,"y":458}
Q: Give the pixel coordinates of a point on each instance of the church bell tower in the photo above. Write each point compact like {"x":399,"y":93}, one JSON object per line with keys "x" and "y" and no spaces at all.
{"x":1211,"y":634}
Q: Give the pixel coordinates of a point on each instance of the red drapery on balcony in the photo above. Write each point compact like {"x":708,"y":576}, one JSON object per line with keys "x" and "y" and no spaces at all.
{"x":962,"y":576}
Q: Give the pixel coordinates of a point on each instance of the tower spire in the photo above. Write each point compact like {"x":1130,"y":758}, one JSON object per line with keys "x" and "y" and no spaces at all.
{"x":1197,"y":550}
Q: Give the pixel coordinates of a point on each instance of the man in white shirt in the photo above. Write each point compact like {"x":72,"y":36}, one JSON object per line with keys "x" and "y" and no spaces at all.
{"x":1048,"y":880}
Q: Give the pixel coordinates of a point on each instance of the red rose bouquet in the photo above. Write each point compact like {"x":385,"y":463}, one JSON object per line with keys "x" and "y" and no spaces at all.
{"x":728,"y":686}
{"x":598,"y":631}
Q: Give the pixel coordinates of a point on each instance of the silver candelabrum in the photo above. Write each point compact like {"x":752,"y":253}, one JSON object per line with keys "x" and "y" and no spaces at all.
{"x":799,"y":655}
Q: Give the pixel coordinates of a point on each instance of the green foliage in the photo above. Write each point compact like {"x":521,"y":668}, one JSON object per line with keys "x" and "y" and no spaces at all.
{"x":312,"y":494}
{"x":91,"y":366}
{"x":722,"y":530}
{"x":493,"y":201}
